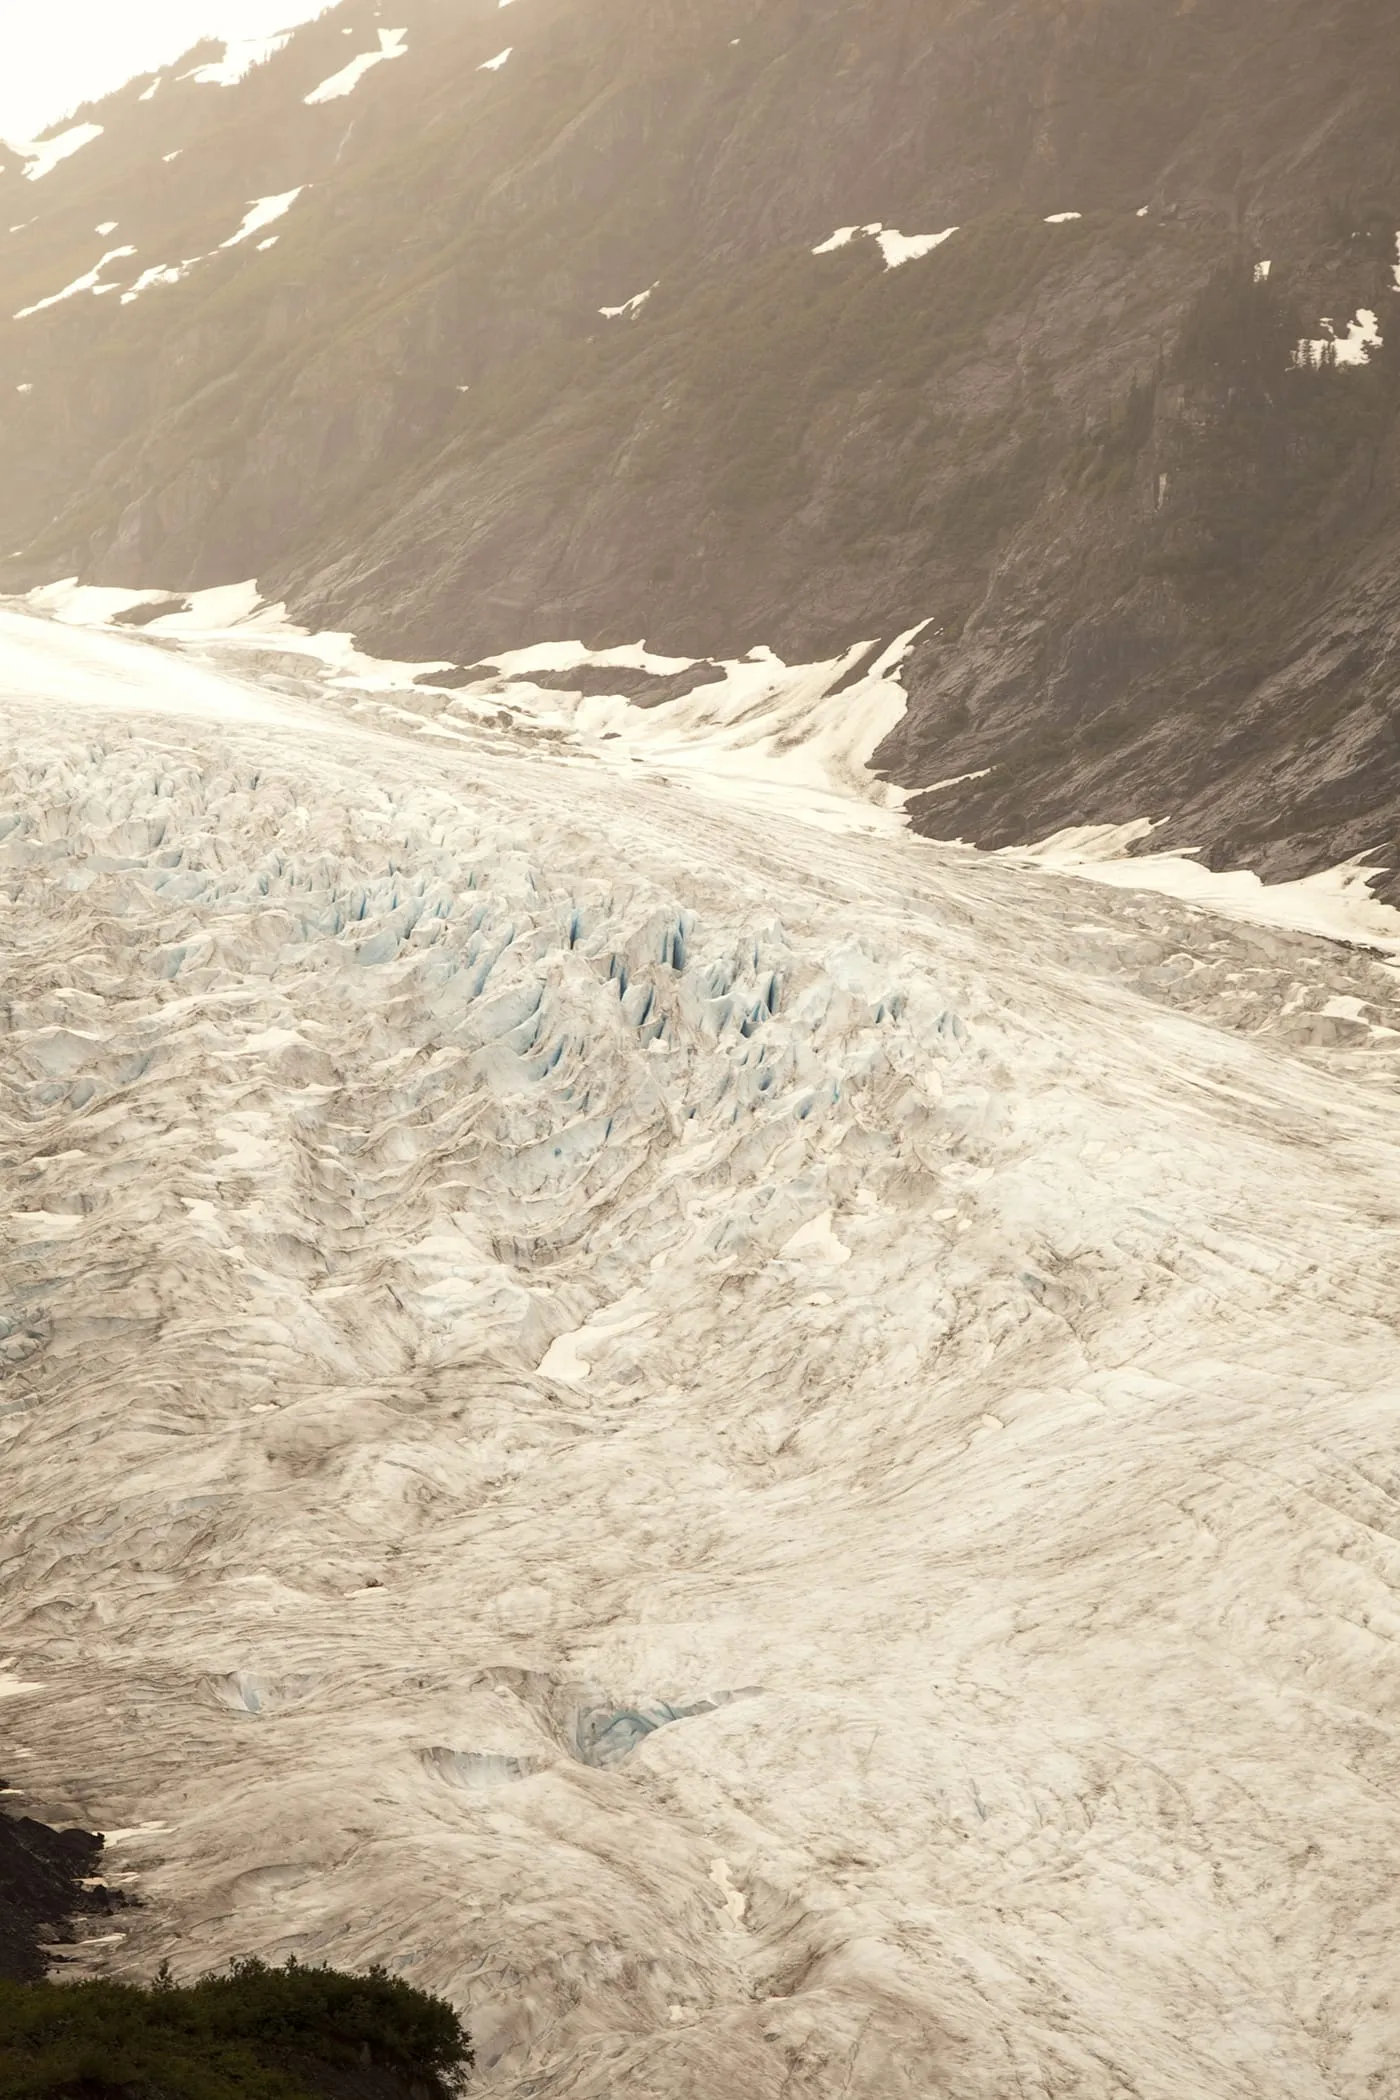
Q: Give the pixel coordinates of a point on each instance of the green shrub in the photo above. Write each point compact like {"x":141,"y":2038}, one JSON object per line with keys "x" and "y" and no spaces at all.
{"x":251,"y":2033}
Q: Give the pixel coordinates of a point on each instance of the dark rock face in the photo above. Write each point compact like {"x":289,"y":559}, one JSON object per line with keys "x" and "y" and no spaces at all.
{"x":42,"y":1877}
{"x":1155,"y":556}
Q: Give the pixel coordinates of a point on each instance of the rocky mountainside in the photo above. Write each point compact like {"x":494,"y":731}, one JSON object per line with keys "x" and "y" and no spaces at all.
{"x":467,"y":328}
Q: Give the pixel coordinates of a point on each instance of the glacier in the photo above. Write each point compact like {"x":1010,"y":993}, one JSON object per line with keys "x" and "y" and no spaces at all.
{"x":762,"y":1450}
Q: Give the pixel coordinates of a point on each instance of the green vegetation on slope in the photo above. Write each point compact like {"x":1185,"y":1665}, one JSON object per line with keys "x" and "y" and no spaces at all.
{"x":253,"y":2033}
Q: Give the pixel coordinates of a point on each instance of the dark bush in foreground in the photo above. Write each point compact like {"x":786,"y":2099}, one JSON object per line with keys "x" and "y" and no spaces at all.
{"x":252,"y":2033}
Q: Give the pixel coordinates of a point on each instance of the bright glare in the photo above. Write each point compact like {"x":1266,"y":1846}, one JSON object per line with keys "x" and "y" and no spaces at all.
{"x":68,"y":51}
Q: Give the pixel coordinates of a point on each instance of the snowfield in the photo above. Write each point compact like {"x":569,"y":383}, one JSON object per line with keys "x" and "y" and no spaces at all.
{"x":765,"y":1451}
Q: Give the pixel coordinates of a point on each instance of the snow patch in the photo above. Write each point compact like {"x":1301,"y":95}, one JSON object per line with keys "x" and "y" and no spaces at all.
{"x":1062,"y":218}
{"x":897,"y":248}
{"x":77,"y":604}
{"x":1363,"y":335}
{"x":631,"y":307}
{"x":231,"y":613}
{"x":240,"y":57}
{"x":843,"y":237}
{"x":42,"y":156}
{"x":211,"y":611}
{"x":901,"y":248}
{"x":793,"y":738}
{"x":83,"y":666}
{"x":261,"y":212}
{"x":392,"y":44}
{"x":1336,"y":903}
{"x":159,"y":273}
{"x":493,"y":65}
{"x":88,"y":282}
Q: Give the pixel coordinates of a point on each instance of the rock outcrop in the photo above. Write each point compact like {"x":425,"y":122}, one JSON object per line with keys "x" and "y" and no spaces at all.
{"x":543,"y":348}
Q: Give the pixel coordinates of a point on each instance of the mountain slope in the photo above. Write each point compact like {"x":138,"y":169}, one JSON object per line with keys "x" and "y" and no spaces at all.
{"x":1153,"y":558}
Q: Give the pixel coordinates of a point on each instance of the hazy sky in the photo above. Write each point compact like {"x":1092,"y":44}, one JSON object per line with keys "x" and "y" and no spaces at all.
{"x":57,"y":53}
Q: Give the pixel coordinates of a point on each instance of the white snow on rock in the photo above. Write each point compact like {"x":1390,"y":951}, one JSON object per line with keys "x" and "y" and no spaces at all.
{"x":984,"y":1363}
{"x":843,"y":237}
{"x":88,"y":282}
{"x":240,"y":57}
{"x":1062,"y":218}
{"x":901,"y":248}
{"x":262,"y":212}
{"x":630,"y":307}
{"x":573,"y":656}
{"x":80,"y":668}
{"x":493,"y":65}
{"x":107,"y":226}
{"x":220,"y":608}
{"x":1363,"y":335}
{"x":235,"y":615}
{"x":149,"y":94}
{"x":159,"y":273}
{"x":42,"y":156}
{"x":77,"y":604}
{"x":897,"y":248}
{"x":758,"y":732}
{"x":392,"y":44}
{"x":1336,"y":904}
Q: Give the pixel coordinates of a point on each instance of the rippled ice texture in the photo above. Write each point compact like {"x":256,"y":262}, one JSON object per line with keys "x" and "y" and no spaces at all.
{"x":769,"y":1455}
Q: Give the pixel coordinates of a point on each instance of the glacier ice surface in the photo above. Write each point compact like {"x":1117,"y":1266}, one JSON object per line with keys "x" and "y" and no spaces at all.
{"x":947,"y":1639}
